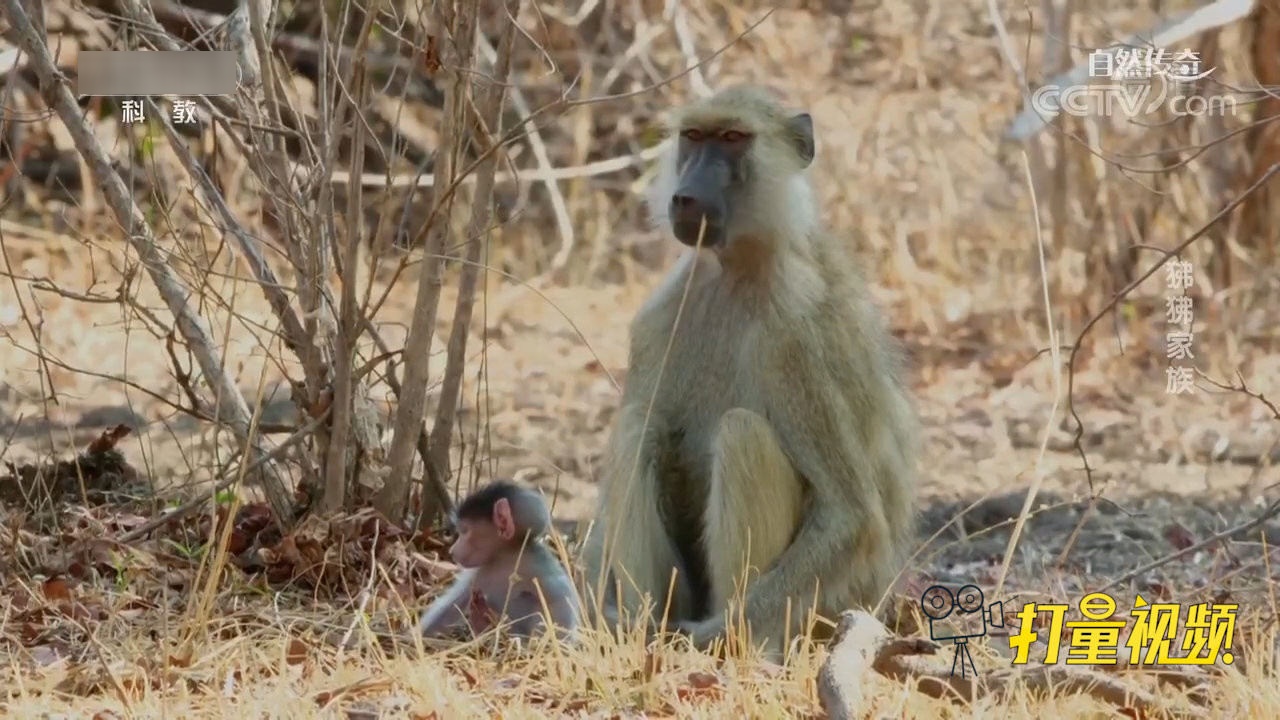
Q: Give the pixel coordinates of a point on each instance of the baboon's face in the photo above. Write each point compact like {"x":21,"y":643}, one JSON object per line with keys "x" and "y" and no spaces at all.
{"x":724,"y":157}
{"x":478,"y":543}
{"x":713,"y":168}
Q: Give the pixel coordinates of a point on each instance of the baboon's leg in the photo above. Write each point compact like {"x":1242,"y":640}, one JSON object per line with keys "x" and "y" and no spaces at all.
{"x":629,"y":541}
{"x":754,"y":505}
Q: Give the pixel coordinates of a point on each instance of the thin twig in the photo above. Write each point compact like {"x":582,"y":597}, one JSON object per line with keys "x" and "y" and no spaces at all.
{"x":336,"y":471}
{"x":390,"y":499}
{"x":1123,"y":292}
{"x":541,"y":174}
{"x":684,"y":37}
{"x":1055,"y":368}
{"x":233,"y":410}
{"x":559,"y":207}
{"x":1271,"y":511}
{"x":490,"y":121}
{"x":227,"y":481}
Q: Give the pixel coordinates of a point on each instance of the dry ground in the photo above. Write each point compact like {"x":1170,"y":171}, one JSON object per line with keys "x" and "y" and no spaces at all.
{"x":944,"y":221}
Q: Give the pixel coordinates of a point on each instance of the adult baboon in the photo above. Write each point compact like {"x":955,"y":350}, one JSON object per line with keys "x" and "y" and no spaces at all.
{"x":764,"y":425}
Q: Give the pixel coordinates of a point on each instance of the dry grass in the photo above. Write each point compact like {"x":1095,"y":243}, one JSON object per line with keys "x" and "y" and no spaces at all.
{"x":908,"y":103}
{"x":263,"y":660}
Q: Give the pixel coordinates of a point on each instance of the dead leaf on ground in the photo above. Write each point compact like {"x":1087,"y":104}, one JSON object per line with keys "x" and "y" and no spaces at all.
{"x":56,"y":589}
{"x":1179,"y":536}
{"x":701,"y":686}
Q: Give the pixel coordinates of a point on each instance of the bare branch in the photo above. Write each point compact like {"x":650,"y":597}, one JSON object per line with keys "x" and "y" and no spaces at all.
{"x":349,"y":328}
{"x":539,"y":174}
{"x":1123,"y":292}
{"x":559,"y":207}
{"x":390,"y":500}
{"x":227,"y":481}
{"x":232,"y":408}
{"x":477,"y":230}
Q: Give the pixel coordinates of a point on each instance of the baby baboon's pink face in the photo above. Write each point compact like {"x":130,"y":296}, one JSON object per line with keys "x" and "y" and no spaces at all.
{"x":477,"y":544}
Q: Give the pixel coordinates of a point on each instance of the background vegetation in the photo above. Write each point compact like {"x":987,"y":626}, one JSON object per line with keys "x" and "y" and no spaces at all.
{"x":215,"y":499}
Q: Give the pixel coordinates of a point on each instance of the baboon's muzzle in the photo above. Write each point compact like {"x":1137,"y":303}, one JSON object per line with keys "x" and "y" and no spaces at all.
{"x":700,"y":196}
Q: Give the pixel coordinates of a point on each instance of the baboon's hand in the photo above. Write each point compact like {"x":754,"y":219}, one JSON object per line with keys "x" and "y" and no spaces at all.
{"x":481,"y":616}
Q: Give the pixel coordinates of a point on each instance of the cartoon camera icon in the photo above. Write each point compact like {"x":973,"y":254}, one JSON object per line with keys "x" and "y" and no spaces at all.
{"x":938,"y":603}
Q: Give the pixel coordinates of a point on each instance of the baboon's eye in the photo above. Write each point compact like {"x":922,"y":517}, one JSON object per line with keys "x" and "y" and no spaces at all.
{"x":733,"y":136}
{"x":694,"y":134}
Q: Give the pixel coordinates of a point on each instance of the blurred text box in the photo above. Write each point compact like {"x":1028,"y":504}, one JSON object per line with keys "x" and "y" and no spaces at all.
{"x":145,"y":72}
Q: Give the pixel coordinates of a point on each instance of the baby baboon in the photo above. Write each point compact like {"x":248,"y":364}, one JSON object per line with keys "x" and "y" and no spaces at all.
{"x":764,"y":426}
{"x":508,"y":572}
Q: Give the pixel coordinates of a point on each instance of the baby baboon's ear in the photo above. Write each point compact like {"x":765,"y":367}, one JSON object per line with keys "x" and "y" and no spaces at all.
{"x":503,"y":520}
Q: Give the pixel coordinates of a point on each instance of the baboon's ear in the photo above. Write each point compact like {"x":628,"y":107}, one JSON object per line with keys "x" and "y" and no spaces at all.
{"x":801,"y":129}
{"x":503,"y":519}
